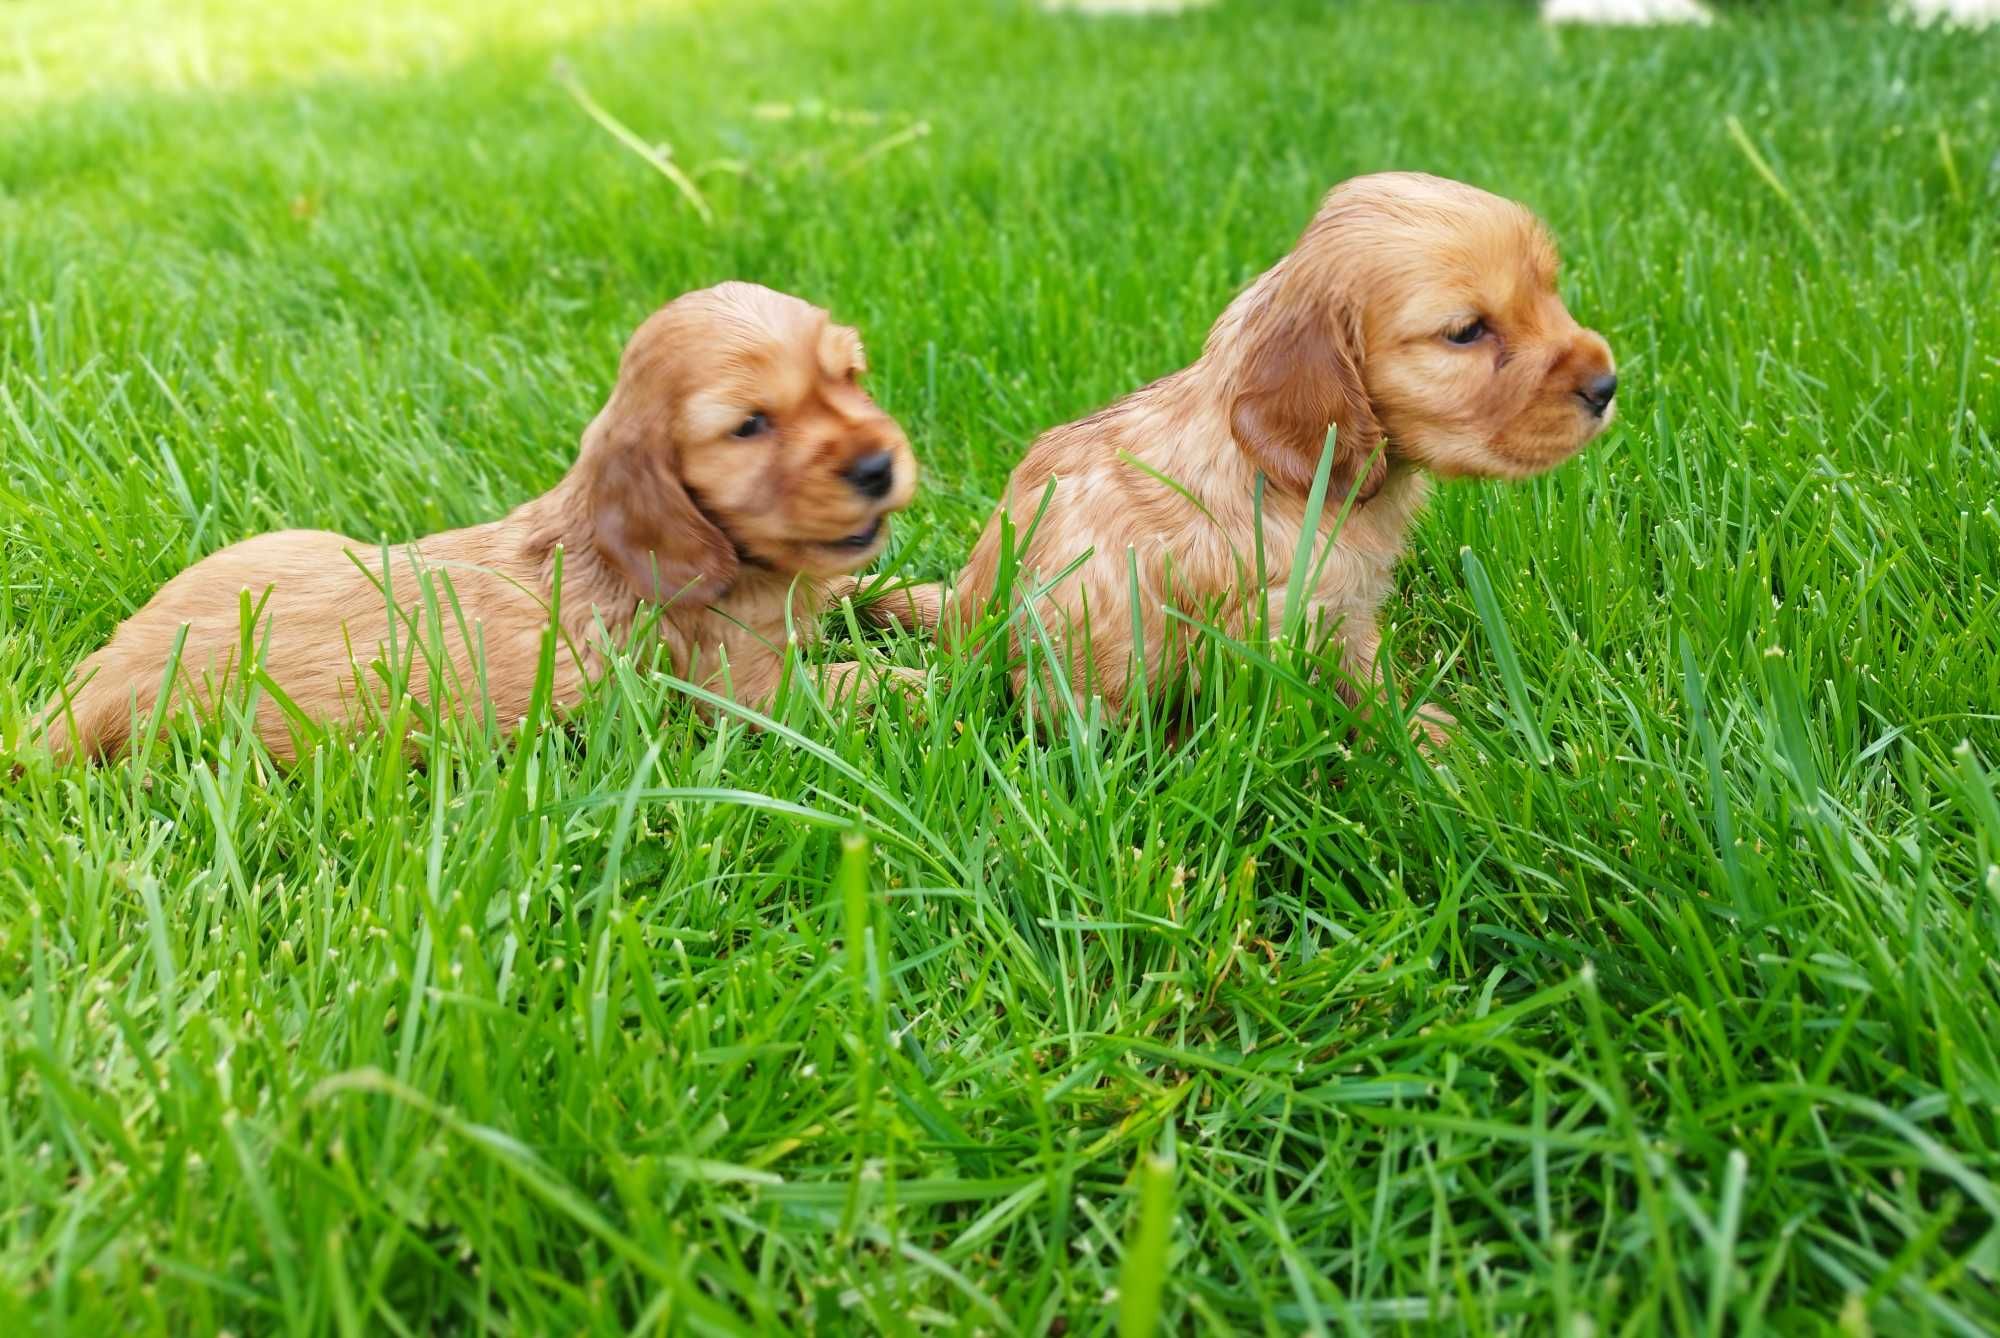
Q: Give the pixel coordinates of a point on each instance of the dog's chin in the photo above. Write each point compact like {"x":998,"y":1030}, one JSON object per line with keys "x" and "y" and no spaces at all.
{"x":1521,"y":452}
{"x":849,"y":552}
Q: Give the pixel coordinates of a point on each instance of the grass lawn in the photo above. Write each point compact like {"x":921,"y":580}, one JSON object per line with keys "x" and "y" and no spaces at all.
{"x":1665,"y":1000}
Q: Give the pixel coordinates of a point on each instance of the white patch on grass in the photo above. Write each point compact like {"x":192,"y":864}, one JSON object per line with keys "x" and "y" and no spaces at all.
{"x":1951,"y":13}
{"x":1624,"y":12}
{"x":1125,"y":6}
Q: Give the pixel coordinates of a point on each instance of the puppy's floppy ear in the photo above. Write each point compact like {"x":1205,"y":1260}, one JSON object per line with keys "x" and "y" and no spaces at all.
{"x":1299,"y":372}
{"x":646,"y":526}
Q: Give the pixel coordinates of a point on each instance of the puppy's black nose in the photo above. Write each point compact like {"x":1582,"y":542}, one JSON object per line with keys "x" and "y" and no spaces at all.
{"x":1597,"y":392}
{"x":873,"y":474}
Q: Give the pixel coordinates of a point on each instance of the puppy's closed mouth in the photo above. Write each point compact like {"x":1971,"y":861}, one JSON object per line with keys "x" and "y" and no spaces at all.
{"x":861,"y":538}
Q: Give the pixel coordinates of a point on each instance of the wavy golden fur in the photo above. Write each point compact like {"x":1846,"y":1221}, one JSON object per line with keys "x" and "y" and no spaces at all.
{"x":1417,"y":315}
{"x":736,"y":468}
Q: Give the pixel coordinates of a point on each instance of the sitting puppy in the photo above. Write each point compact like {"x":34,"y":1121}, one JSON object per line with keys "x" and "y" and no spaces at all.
{"x":1418,"y":316}
{"x":736,"y":454}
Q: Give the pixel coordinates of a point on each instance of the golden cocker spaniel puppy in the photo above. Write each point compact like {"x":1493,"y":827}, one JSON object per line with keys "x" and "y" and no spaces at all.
{"x":1417,"y":316}
{"x":737,"y":467}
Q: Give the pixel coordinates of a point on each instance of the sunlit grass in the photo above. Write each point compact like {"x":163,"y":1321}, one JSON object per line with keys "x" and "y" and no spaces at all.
{"x":187,"y":46}
{"x":1664,"y":1000}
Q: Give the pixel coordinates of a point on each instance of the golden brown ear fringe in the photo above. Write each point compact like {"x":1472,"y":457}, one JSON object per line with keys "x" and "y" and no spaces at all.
{"x":650,"y":530}
{"x":1300,"y":374}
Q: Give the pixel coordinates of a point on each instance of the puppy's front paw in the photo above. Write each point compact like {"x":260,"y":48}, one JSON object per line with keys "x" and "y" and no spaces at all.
{"x":910,"y":608}
{"x":868,"y":682}
{"x":901,"y":679}
{"x":1434,"y":726}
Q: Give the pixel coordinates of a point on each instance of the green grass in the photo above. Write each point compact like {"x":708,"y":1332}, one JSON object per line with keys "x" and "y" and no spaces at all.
{"x":1666,"y":1000}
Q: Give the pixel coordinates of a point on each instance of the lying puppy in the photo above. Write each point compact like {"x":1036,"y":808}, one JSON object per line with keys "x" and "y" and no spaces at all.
{"x":736,"y":453}
{"x":1416,"y":315}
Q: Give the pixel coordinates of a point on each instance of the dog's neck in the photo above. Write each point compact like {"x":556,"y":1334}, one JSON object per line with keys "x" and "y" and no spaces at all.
{"x":560,"y":521}
{"x":1201,"y":393}
{"x":1222,"y":352}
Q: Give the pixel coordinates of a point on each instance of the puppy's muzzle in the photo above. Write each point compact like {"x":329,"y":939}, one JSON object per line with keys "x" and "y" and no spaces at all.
{"x":872,"y":475}
{"x":1596,"y":393}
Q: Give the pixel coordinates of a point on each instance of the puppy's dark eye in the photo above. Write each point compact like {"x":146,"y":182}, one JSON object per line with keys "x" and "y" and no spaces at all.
{"x":1467,"y":334}
{"x":755,"y":425}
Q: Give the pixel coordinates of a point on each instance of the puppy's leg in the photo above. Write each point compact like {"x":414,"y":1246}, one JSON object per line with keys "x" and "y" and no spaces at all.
{"x":1358,"y":656}
{"x":111,"y":687}
{"x":867,"y":681}
{"x":1361,"y":676}
{"x":912,"y":608}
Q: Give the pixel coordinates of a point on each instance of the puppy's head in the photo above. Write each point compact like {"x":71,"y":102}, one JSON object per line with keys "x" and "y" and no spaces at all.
{"x":1420,"y":311}
{"x":739,"y":436}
